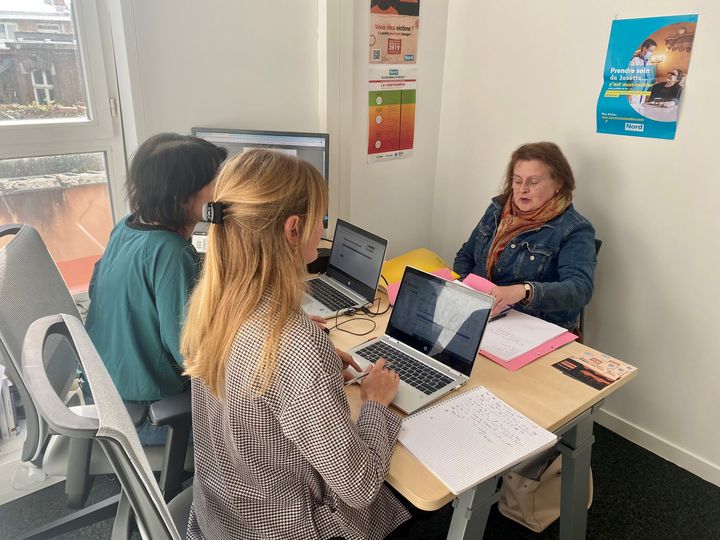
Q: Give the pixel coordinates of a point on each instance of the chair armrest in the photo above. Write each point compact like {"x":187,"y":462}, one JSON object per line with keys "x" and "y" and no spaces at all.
{"x":174,"y":412}
{"x":171,"y":411}
{"x":137,"y":412}
{"x":11,"y":228}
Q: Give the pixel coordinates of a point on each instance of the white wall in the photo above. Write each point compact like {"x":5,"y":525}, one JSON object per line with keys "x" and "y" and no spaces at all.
{"x":519,"y":71}
{"x":243,"y":65}
{"x":248,"y":65}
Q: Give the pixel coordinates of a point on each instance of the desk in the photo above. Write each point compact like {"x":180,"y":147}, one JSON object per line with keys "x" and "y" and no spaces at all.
{"x":539,"y":391}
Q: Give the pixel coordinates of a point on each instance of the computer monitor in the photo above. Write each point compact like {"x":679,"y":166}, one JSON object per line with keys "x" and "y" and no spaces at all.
{"x":312,"y":147}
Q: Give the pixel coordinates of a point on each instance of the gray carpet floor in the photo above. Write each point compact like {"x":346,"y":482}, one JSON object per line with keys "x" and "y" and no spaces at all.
{"x":637,"y":496}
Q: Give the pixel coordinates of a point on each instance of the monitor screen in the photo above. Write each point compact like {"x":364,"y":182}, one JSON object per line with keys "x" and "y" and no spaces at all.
{"x":312,"y":147}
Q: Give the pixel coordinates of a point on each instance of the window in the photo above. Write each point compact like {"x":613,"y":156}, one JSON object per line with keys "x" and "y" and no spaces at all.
{"x":42,"y":86}
{"x":48,"y":28}
{"x":7,"y":31}
{"x":62,"y":159}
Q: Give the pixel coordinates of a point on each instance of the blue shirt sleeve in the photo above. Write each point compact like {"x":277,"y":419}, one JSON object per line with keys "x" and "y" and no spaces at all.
{"x":576,"y":273}
{"x":465,"y":262}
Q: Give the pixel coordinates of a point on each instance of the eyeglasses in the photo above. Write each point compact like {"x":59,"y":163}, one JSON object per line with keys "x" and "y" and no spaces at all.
{"x":533,"y":182}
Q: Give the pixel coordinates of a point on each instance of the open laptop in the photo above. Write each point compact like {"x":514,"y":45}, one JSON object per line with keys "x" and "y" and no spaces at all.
{"x":432,"y":337}
{"x":352,"y":274}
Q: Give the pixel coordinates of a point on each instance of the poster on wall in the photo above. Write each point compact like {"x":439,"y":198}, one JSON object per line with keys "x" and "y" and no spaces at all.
{"x":646,"y":71}
{"x":394,"y":26}
{"x":391,"y":108}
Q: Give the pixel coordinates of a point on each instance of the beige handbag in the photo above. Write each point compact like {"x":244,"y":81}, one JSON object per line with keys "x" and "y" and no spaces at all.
{"x":530,"y":495}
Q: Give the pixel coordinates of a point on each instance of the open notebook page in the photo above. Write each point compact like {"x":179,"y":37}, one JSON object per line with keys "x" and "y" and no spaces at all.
{"x":471,"y":437}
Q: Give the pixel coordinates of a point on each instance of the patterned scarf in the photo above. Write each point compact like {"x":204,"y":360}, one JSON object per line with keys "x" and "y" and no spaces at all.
{"x":514,"y":222}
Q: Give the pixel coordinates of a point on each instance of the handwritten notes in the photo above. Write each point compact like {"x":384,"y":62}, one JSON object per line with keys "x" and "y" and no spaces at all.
{"x":471,"y":437}
{"x":516,"y":334}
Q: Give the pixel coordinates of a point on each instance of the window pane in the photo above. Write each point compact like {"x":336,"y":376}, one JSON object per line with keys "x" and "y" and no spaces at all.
{"x":66,"y":199}
{"x":42,"y":49}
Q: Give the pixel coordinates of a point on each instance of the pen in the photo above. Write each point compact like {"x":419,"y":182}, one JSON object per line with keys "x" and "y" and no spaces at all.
{"x":496,"y":317}
{"x":362,"y":376}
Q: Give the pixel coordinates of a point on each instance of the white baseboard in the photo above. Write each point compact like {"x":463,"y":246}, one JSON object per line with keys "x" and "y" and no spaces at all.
{"x":666,"y":450}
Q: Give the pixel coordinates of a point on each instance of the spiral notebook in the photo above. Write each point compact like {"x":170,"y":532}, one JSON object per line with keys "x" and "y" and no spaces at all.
{"x":471,"y":437}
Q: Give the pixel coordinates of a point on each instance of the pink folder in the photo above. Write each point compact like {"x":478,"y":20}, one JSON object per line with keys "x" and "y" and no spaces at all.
{"x":533,"y":354}
{"x":478,"y":283}
{"x":483,"y":285}
{"x":392,"y":288}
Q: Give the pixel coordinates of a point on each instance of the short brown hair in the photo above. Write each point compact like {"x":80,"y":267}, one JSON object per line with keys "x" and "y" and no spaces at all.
{"x":551,"y":155}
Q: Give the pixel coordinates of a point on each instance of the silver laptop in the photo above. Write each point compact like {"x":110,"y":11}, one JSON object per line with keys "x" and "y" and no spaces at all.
{"x":432,"y":338}
{"x":352,"y":274}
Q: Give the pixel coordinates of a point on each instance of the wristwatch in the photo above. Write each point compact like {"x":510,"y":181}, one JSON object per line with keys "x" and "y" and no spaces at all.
{"x":528,"y":293}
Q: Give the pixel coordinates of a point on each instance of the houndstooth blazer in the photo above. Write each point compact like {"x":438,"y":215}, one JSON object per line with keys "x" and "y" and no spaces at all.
{"x":291,"y":463}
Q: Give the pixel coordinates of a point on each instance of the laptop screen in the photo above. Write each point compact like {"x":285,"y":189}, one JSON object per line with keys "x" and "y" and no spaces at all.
{"x":356,"y":258}
{"x":441,"y":319}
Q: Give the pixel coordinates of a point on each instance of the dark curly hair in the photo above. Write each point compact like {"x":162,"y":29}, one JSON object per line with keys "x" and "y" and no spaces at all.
{"x":166,"y":171}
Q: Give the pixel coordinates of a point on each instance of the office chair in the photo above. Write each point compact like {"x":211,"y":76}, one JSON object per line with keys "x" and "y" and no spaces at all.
{"x":581,"y":324}
{"x":140,"y":499}
{"x":32,"y":287}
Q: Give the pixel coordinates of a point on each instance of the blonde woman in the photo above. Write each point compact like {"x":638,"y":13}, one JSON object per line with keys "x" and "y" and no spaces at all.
{"x":276,"y":452}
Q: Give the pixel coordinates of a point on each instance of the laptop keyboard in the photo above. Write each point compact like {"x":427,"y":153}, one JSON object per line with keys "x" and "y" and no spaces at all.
{"x":329,"y":296}
{"x":411,"y":371}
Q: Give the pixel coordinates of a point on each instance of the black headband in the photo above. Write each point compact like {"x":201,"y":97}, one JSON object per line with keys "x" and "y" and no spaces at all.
{"x":213,"y":212}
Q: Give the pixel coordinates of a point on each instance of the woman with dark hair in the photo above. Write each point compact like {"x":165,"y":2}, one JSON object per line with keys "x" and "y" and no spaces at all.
{"x":140,"y":285}
{"x":532,"y":243}
{"x":667,"y":94}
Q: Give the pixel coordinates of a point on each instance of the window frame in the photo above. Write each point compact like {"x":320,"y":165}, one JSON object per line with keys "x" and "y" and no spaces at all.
{"x":45,"y":87}
{"x":102,"y":130}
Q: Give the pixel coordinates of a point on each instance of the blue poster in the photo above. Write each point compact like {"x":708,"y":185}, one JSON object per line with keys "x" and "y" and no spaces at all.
{"x":646,"y":71}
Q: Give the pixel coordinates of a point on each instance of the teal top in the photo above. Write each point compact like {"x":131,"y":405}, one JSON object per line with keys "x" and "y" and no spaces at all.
{"x":138,"y":293}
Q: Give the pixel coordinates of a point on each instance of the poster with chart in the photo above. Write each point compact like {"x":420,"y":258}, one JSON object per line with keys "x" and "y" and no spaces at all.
{"x":391,"y":112}
{"x":646,"y":73}
{"x":394,"y":26}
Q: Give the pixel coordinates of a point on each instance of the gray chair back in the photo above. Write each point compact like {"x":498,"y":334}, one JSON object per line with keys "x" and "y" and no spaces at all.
{"x":31,"y":287}
{"x":113,"y":429}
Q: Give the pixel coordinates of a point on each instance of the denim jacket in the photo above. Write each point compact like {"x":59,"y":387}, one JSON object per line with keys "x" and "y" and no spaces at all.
{"x":558,"y":259}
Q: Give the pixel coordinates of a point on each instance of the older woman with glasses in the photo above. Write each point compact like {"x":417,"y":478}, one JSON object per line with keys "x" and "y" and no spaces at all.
{"x":532,"y":243}
{"x":667,"y":94}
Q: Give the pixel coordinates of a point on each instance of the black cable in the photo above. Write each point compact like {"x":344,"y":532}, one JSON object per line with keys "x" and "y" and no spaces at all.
{"x":373,"y":323}
{"x":385,"y":280}
{"x":352,"y":318}
{"x":368,"y":310}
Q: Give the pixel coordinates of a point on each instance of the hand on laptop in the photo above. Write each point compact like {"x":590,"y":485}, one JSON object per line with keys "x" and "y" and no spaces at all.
{"x":347,"y":362}
{"x":380,"y":384}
